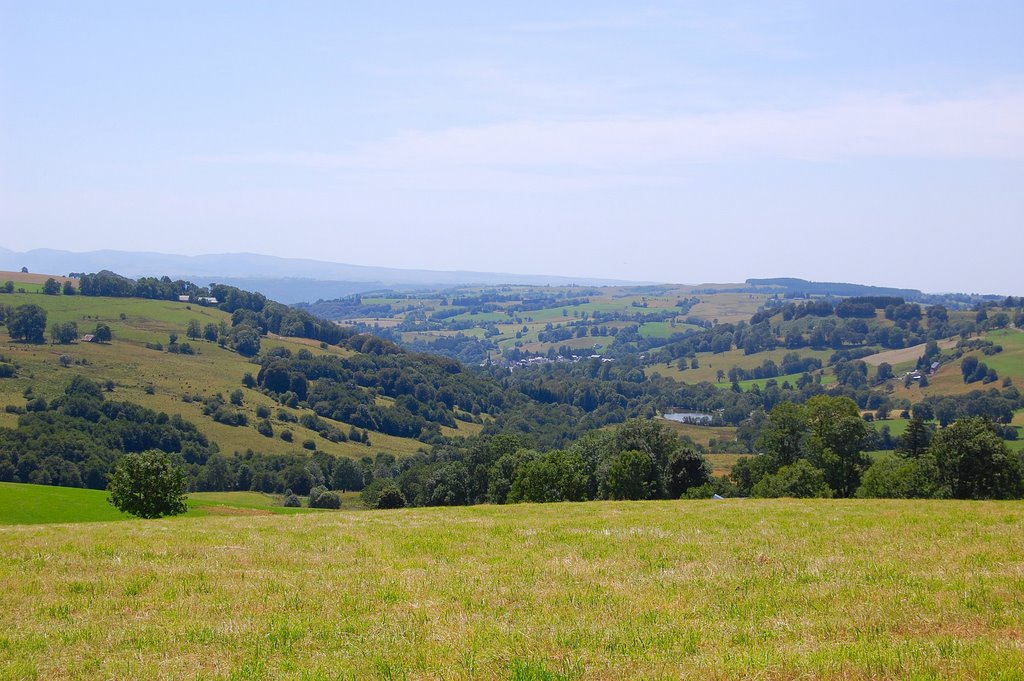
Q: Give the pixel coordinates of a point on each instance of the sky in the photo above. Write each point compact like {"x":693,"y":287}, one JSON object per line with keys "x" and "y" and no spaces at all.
{"x":872,"y":142}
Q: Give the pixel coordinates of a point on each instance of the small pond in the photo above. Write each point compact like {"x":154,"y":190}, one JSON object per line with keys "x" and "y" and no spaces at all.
{"x":694,"y":417}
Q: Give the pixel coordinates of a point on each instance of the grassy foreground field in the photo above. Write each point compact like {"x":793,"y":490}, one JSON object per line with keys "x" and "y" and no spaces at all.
{"x":734,"y":589}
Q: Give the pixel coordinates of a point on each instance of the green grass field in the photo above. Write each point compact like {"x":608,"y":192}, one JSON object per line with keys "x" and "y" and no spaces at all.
{"x":706,"y":590}
{"x":897,"y":426}
{"x":25,"y":504}
{"x":31,"y":504}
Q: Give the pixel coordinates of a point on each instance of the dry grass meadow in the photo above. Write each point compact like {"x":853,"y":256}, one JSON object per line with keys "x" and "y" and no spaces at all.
{"x":723,"y":590}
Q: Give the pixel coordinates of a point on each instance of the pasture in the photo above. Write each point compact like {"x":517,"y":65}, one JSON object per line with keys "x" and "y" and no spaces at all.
{"x":709,"y":363}
{"x":25,"y":504}
{"x":703,"y":589}
{"x":948,"y":380}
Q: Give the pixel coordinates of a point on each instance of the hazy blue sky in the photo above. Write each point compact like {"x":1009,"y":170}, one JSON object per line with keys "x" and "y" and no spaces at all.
{"x":878,"y":142}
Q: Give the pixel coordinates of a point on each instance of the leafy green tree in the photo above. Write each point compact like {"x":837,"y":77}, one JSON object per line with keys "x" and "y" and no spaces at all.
{"x":632,"y":475}
{"x":245,"y":340}
{"x":838,"y":435}
{"x":51,"y":287}
{"x":687,"y":468}
{"x":653,"y":438}
{"x":193,"y":330}
{"x":895,"y":477}
{"x":147,"y":485}
{"x":974,"y":462}
{"x":782,"y":438}
{"x":347,"y":476}
{"x":27,"y":323}
{"x":557,"y":476}
{"x":69,"y":288}
{"x":884,"y":372}
{"x":210,"y":332}
{"x":916,"y":439}
{"x":390,"y":496}
{"x":447,"y":485}
{"x":63,"y":333}
{"x":502,"y":473}
{"x":102,"y":334}
{"x":8,"y":287}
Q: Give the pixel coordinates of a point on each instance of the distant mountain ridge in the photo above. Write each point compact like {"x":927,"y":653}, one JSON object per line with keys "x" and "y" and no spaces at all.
{"x":833,"y":288}
{"x":289,"y":280}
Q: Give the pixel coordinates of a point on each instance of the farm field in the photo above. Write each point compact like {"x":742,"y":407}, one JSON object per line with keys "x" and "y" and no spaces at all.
{"x":903,"y":355}
{"x":709,"y":363}
{"x":702,"y":435}
{"x":25,"y":504}
{"x":644,"y":307}
{"x":701,"y":589}
{"x":948,"y":380}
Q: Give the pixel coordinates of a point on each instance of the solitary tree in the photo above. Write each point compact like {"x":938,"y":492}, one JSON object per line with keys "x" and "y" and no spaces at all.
{"x":63,"y":333}
{"x":147,"y":485}
{"x":102,"y":333}
{"x":27,"y":323}
{"x":51,"y":287}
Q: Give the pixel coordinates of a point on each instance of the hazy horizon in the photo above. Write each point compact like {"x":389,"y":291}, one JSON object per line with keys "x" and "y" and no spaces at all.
{"x":874,"y":144}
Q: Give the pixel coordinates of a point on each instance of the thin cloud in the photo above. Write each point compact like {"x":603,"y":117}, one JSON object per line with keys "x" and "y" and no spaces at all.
{"x":990,"y":126}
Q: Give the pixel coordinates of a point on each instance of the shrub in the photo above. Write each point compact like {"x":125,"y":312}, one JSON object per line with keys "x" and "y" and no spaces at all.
{"x":264,"y":428}
{"x":390,"y":497}
{"x":230,"y":417}
{"x":236,"y":397}
{"x":372,"y":494}
{"x":292,"y":501}
{"x":720,"y":486}
{"x":800,"y":479}
{"x":263,"y":412}
{"x":286,"y":435}
{"x":308,"y":444}
{"x":896,"y":477}
{"x":320,"y":497}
